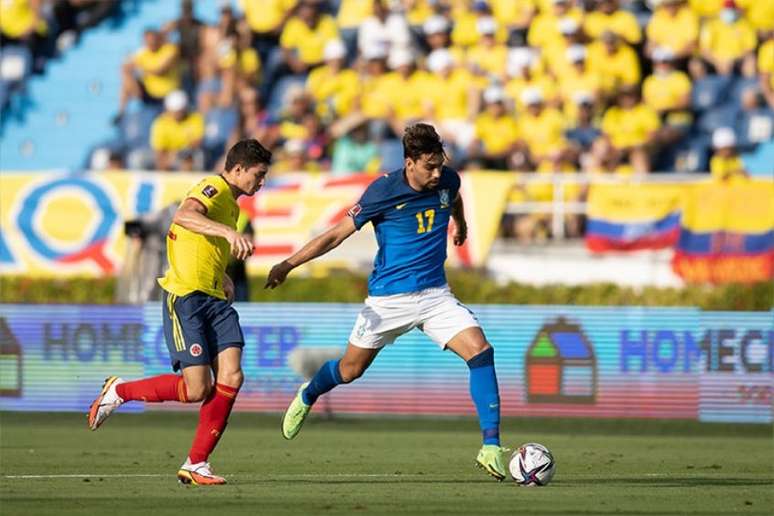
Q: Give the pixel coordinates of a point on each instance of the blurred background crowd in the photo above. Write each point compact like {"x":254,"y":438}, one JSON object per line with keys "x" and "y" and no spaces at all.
{"x":598,"y":86}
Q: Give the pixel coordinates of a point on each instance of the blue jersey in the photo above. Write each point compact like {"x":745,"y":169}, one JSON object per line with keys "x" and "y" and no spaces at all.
{"x":411,"y":230}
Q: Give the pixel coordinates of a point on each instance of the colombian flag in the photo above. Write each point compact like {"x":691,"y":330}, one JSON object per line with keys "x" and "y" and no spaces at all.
{"x":627,"y":217}
{"x":727,"y":232}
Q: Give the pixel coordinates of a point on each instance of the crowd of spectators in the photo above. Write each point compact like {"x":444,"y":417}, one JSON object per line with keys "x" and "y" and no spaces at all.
{"x":607,"y":86}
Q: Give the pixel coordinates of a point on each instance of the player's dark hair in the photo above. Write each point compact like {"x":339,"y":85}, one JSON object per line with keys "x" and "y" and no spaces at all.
{"x":247,"y":153}
{"x":421,"y":139}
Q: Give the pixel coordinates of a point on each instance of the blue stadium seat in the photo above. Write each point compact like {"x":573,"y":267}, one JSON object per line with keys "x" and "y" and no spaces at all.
{"x":754,"y":127}
{"x":692,"y":154}
{"x":723,"y":115}
{"x":219,"y":123}
{"x":135,"y":126}
{"x":15,"y":63}
{"x":709,"y":91}
{"x":739,"y":85}
{"x":760,"y":163}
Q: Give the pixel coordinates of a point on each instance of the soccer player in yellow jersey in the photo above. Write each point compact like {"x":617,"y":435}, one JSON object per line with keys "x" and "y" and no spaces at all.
{"x":200,"y":325}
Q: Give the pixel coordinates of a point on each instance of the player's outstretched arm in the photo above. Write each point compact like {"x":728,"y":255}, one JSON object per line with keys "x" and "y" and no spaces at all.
{"x":192,"y":215}
{"x":318,"y":246}
{"x":461,"y":227}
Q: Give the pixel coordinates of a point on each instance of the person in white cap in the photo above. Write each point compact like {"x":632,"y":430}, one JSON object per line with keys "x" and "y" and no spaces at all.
{"x":375,"y":98}
{"x":384,"y":26}
{"x":524,"y":71}
{"x":333,"y":86}
{"x":452,"y":98}
{"x":578,"y":76}
{"x":436,"y":31}
{"x":541,"y":129}
{"x":554,"y":52}
{"x":487,"y":57}
{"x":544,"y":29}
{"x":175,"y":130}
{"x":496,"y":132}
{"x":408,"y":89}
{"x":728,"y":39}
{"x":725,"y":163}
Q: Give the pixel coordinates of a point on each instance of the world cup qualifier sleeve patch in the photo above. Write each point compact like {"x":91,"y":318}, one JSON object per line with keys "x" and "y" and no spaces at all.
{"x":209,"y":191}
{"x":354,"y":210}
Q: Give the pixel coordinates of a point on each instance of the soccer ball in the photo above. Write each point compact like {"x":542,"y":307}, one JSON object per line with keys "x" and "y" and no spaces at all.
{"x":532,"y":465}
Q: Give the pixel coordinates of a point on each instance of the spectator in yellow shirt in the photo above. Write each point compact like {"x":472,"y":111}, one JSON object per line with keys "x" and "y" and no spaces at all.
{"x":544,"y":28}
{"x":22,"y":23}
{"x":766,"y":68}
{"x":727,"y":39}
{"x":632,"y":128}
{"x":515,"y":16}
{"x":239,"y":62}
{"x":466,"y":15}
{"x":725,"y":163}
{"x":436,"y":31}
{"x":408,"y":88}
{"x":668,"y":92}
{"x":541,"y":129}
{"x":453,"y":98}
{"x":151,"y":73}
{"x":304,"y":36}
{"x":578,"y":76}
{"x":607,"y":16}
{"x":333,"y":86}
{"x":554,"y":54}
{"x":177,"y":129}
{"x":497,"y":133}
{"x":615,"y":62}
{"x":675,"y":26}
{"x":266,"y":19}
{"x":487,"y":57}
{"x":375,"y":96}
{"x":524,"y":72}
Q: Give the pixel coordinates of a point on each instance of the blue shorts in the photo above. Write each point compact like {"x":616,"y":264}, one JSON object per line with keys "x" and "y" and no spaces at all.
{"x":197,"y":327}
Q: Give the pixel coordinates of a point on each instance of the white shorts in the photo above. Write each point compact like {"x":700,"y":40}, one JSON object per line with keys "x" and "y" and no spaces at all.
{"x":435,"y":311}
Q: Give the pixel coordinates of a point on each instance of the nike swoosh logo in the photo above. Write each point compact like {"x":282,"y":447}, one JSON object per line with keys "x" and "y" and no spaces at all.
{"x":401,"y":206}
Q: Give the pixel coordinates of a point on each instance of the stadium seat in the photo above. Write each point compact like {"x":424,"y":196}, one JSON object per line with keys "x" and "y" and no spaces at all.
{"x":709,"y":91}
{"x":692,"y":154}
{"x":739,"y":85}
{"x":723,"y":115}
{"x":754,"y":127}
{"x":218,"y":125}
{"x":760,"y":163}
{"x":135,"y":126}
{"x":15,"y":63}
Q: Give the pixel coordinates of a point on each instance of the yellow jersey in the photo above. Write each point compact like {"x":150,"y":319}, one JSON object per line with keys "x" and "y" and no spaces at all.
{"x":728,"y":41}
{"x":197,"y":262}
{"x":497,"y":134}
{"x":265,"y":15}
{"x":309,"y":42}
{"x":168,"y":134}
{"x":766,"y":61}
{"x":674,"y":33}
{"x":726,"y":168}
{"x":158,"y":84}
{"x":630,"y":127}
{"x":622,"y":23}
{"x":665,"y":92}
{"x":17,"y":17}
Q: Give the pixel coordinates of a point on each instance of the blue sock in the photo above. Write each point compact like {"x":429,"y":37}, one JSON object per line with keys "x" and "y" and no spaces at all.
{"x":483,"y":390}
{"x":326,"y":378}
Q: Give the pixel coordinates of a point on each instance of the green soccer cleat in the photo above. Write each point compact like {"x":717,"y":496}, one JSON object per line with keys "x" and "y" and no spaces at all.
{"x":295,"y":415}
{"x":491,"y":458}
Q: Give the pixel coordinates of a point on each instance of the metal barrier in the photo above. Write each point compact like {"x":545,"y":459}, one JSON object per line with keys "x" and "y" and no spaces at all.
{"x":559,"y":208}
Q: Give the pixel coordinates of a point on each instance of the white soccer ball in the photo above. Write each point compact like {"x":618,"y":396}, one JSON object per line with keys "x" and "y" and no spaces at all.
{"x":532,"y":465}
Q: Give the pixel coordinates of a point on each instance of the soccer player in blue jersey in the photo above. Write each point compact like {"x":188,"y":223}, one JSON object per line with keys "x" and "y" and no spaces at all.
{"x":410,"y":210}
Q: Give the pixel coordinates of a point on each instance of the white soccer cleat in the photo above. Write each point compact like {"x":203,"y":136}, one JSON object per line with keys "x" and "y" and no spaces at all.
{"x":199,"y":474}
{"x":107,"y":401}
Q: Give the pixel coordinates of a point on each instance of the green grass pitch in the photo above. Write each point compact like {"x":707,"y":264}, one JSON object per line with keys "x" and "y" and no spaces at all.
{"x":380,"y":466}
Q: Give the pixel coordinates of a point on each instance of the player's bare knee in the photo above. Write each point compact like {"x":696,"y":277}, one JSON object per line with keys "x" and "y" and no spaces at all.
{"x":233,"y":379}
{"x":350,"y":371}
{"x":478,"y":346}
{"x":198,"y":392}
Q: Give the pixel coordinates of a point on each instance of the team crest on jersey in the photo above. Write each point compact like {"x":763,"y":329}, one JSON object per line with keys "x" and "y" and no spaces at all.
{"x":444,"y":196}
{"x":354,"y":210}
{"x":196,"y":350}
{"x":209,"y":191}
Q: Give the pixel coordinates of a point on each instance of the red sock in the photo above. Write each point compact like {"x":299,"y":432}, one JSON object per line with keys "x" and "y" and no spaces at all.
{"x":213,"y":417}
{"x":165,"y":387}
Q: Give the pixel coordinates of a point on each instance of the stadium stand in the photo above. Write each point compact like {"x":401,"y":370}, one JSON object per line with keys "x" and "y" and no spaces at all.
{"x":529,"y":85}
